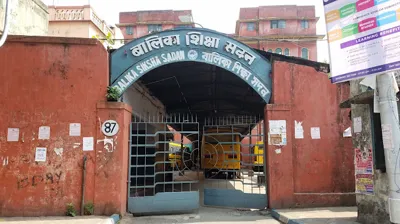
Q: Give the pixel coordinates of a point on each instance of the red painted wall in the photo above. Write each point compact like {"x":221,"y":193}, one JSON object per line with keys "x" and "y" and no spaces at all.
{"x":309,"y":172}
{"x":48,"y":82}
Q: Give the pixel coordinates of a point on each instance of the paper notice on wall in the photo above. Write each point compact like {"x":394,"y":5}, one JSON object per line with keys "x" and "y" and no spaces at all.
{"x":357,"y":123}
{"x":44,"y":132}
{"x":277,"y":132}
{"x":363,"y":161}
{"x":364,"y":183}
{"x":40,"y":155}
{"x":88,"y":143}
{"x":387,"y":136}
{"x":315,"y":133}
{"x":13,"y":135}
{"x":298,"y":130}
{"x":75,"y":129}
{"x":347,"y":133}
{"x":376,"y":102}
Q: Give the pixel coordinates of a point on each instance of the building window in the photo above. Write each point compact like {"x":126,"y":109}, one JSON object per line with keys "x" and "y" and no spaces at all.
{"x":287,"y":52}
{"x":304,"y":53}
{"x":278,"y":51}
{"x":155,"y":28}
{"x":304,"y":24}
{"x":129,"y":30}
{"x":269,"y":50}
{"x":251,"y":26}
{"x":278,"y":24}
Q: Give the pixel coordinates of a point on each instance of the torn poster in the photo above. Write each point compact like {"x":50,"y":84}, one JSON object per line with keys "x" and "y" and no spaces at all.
{"x":347,"y":132}
{"x":13,"y":135}
{"x":298,"y":130}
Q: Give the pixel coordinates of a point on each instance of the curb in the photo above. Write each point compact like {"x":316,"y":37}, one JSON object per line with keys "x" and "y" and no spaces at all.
{"x":275,"y":214}
{"x":114,"y":219}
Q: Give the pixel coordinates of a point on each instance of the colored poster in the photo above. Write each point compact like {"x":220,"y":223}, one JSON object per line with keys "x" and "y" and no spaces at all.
{"x":365,"y":183}
{"x":363,"y":161}
{"x":277,"y":132}
{"x":363,"y":37}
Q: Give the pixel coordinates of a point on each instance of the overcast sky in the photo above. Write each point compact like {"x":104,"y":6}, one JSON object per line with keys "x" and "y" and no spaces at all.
{"x":220,"y":15}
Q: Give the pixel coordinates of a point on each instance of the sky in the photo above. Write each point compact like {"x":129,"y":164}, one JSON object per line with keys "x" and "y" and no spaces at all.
{"x":207,"y":13}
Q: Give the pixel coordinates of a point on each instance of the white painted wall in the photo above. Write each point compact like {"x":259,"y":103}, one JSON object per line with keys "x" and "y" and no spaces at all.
{"x":28,"y":17}
{"x":143,"y":104}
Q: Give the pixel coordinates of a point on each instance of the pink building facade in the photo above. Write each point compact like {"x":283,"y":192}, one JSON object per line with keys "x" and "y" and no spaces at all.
{"x":137,"y":24}
{"x":289,"y":30}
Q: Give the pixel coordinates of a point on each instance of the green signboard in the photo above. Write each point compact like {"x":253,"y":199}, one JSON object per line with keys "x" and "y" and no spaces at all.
{"x":142,"y":55}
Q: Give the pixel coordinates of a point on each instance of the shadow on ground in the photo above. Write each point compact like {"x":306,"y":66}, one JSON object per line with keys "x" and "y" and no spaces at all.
{"x":206,"y":215}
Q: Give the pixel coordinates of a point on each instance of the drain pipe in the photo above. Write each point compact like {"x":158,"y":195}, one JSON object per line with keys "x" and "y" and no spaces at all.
{"x":391,"y":133}
{"x":83,"y":185}
{"x":6,"y":24}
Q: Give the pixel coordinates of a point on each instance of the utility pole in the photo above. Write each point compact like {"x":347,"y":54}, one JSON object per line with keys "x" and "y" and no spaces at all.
{"x":391,"y":134}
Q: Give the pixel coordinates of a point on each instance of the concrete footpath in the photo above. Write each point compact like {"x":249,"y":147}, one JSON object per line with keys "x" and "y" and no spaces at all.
{"x":331,"y":215}
{"x":60,"y":220}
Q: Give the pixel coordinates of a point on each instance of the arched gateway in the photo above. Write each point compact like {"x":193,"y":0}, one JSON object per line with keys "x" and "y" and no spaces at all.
{"x":142,"y":55}
{"x":154,"y":185}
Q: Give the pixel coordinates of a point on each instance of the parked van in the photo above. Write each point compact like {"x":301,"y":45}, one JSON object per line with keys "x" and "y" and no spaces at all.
{"x":220,"y":153}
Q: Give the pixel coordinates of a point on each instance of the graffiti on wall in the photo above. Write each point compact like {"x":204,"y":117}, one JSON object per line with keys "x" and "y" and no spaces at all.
{"x":35,"y":180}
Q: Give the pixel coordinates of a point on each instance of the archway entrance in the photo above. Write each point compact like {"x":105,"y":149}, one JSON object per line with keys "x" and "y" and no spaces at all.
{"x":207,"y":147}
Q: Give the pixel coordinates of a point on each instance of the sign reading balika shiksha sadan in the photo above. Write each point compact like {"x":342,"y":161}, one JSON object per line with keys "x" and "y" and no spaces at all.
{"x":364,"y":37}
{"x":200,"y":45}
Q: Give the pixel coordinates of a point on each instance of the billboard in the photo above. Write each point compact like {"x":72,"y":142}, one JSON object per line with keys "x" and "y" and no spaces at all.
{"x":363,"y":36}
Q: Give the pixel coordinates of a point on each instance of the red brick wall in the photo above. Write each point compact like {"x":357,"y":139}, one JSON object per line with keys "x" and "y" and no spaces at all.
{"x":309,"y":172}
{"x":48,"y":82}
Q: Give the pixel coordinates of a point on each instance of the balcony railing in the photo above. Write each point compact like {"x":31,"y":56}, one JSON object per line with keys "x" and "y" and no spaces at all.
{"x":69,"y":14}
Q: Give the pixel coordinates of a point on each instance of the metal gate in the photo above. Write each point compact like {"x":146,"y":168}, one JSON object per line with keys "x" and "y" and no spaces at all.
{"x":164,"y":164}
{"x":233,"y":162}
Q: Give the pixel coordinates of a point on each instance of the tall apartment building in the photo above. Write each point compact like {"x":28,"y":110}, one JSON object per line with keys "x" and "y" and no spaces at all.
{"x":140,"y":23}
{"x":286,"y":29}
{"x":81,"y":21}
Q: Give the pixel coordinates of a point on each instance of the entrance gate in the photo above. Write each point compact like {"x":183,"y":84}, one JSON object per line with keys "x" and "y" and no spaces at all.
{"x":163,"y":173}
{"x":233,"y":162}
{"x":173,"y":164}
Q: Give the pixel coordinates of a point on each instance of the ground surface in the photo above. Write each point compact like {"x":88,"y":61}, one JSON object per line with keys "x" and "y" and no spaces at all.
{"x":206,"y":215}
{"x":333,"y":215}
{"x":58,"y":220}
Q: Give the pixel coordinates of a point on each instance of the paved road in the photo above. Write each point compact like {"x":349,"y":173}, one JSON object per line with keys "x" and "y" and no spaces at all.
{"x":206,"y":215}
{"x":57,"y":220}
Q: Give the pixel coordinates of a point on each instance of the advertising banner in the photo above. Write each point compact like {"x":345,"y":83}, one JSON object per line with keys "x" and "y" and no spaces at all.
{"x":364,"y":172}
{"x":363,"y":36}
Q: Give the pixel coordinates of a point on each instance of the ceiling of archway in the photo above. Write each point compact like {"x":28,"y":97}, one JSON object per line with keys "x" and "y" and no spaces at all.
{"x":203,"y":90}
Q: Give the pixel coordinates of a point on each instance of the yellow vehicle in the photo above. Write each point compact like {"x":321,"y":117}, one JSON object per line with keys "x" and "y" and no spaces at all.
{"x":175,"y":156}
{"x":258,"y":152}
{"x":220,"y":153}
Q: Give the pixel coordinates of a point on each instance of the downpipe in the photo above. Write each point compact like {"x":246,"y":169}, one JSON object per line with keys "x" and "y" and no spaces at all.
{"x":390,"y":129}
{"x":6,"y":24}
{"x":83,"y":185}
